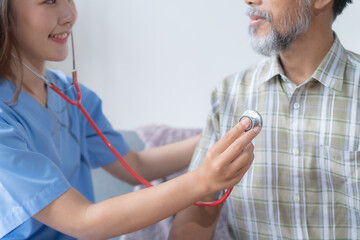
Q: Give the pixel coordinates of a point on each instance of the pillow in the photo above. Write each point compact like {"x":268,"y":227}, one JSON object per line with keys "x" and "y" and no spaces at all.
{"x":158,"y":135}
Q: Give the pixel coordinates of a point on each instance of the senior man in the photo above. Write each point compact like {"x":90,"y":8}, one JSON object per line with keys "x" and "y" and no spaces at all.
{"x":305,"y":180}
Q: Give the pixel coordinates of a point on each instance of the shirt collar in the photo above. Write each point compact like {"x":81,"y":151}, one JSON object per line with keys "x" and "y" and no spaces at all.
{"x":270,"y":68}
{"x":330,"y":72}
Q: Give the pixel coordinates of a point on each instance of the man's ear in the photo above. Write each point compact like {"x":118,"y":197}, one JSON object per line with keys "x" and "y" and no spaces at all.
{"x":320,"y":5}
{"x":323,"y":7}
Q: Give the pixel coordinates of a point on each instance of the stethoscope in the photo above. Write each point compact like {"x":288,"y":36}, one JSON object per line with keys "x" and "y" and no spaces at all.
{"x":254,"y":117}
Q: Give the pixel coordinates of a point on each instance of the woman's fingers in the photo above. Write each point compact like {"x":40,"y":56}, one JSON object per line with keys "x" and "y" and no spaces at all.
{"x":242,"y":171}
{"x":244,"y":160}
{"x":241,"y":161}
{"x":231,"y":136}
{"x":228,"y":160}
{"x":237,"y":147}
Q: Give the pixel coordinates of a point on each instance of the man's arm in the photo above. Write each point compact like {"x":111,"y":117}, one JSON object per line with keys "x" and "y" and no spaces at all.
{"x":195,"y":223}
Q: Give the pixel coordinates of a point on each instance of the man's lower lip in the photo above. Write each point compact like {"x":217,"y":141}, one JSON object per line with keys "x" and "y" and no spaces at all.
{"x":59,"y":40}
{"x":256,"y":22}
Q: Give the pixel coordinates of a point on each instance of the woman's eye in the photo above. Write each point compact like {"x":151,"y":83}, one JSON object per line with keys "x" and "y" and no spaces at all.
{"x":50,"y":1}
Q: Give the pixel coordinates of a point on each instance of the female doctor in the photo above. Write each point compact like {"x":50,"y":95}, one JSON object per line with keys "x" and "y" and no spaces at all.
{"x":47,"y":148}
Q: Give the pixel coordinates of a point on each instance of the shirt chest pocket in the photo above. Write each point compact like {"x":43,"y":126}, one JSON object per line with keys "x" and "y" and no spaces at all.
{"x":336,"y":165}
{"x":343,"y":164}
{"x":334,"y":174}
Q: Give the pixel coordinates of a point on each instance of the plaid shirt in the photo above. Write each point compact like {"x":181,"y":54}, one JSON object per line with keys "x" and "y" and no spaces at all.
{"x":305,"y":179}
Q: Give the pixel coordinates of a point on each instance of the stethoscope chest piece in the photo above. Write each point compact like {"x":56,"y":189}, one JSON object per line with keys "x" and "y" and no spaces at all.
{"x":254,"y":117}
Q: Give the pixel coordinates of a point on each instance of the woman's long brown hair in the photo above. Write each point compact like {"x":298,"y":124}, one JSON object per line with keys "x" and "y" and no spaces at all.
{"x":7,"y":45}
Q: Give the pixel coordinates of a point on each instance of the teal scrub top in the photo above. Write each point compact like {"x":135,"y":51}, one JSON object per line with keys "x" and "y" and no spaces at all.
{"x":44,"y":152}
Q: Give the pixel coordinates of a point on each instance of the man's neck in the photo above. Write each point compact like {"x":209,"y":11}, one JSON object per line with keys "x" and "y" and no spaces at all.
{"x":306,"y":53}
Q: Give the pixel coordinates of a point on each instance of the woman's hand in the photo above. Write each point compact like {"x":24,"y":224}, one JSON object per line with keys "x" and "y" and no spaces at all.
{"x":229,"y":159}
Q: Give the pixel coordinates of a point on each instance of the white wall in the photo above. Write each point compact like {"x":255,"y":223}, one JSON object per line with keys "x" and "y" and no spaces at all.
{"x":157,"y":61}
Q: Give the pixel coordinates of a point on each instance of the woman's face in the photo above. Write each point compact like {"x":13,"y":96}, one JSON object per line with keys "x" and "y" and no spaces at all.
{"x":42,"y":28}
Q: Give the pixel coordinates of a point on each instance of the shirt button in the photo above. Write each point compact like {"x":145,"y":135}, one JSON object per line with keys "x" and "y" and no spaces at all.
{"x":295,"y":151}
{"x":296,"y":197}
{"x":296,"y":106}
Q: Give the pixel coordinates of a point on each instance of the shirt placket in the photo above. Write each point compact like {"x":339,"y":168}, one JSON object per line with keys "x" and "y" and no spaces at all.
{"x":295,"y":153}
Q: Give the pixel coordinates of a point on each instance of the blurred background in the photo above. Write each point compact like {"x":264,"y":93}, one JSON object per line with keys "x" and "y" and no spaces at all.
{"x":157,"y":61}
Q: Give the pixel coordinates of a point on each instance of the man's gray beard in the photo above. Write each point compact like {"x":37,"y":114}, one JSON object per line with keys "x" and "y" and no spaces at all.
{"x":275,"y":42}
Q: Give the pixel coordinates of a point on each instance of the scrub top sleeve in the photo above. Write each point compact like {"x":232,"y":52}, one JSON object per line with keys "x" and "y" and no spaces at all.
{"x":28,"y":180}
{"x":99,"y":153}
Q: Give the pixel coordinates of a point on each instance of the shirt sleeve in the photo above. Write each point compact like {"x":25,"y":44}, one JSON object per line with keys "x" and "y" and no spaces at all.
{"x":99,"y":153}
{"x":210,"y":134}
{"x":28,"y":180}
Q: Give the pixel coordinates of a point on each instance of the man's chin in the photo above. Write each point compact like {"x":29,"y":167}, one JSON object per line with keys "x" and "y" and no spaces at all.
{"x":262,"y":45}
{"x":260,"y":31}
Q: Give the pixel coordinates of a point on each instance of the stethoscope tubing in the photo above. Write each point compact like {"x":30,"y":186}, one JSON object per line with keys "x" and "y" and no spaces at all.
{"x":77,"y":103}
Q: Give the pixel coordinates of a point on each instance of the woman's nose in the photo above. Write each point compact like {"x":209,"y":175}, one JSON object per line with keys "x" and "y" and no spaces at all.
{"x":68,"y":13}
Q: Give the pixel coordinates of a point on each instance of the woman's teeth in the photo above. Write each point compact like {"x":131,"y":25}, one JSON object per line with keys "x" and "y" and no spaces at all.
{"x":60,"y":36}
